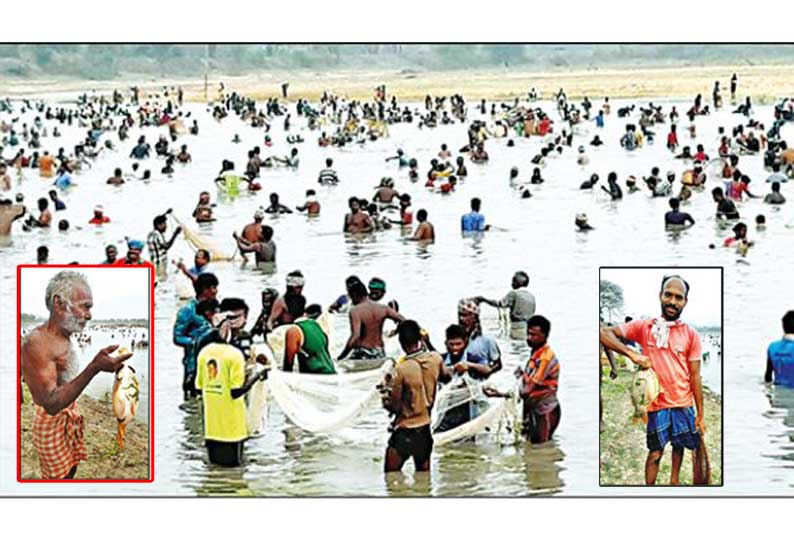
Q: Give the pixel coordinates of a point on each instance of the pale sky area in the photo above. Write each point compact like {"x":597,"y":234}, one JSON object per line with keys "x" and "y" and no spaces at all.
{"x":122,"y":292}
{"x":641,"y":293}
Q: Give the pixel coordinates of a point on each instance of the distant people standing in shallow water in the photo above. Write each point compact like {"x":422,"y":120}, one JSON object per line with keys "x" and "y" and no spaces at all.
{"x":780,"y":356}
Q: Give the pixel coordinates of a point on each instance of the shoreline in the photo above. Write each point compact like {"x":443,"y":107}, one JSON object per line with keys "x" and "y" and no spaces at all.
{"x":104,"y":461}
{"x":762,"y":82}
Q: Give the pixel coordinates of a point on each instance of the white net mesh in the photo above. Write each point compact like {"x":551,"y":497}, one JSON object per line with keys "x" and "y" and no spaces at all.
{"x":197,"y":241}
{"x":332,"y":404}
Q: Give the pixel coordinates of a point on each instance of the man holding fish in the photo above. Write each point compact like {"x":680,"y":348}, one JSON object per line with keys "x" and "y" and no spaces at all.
{"x":672,"y":349}
{"x":50,"y":368}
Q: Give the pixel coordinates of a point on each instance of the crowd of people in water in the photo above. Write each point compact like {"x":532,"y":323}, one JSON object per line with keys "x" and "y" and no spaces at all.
{"x":213,"y":331}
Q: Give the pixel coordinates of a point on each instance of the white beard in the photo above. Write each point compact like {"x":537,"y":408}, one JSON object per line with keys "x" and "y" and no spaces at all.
{"x":72,"y":324}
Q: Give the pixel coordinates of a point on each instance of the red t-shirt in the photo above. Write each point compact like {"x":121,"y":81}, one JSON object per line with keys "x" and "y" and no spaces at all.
{"x":123,"y":261}
{"x":671,"y":363}
{"x":103,"y":220}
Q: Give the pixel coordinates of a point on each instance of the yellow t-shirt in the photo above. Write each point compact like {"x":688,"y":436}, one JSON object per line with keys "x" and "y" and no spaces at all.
{"x":221,"y":368}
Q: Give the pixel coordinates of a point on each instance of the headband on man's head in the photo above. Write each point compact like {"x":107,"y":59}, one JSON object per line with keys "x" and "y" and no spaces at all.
{"x":468,"y":306}
{"x":294,"y":280}
{"x":377,"y":284}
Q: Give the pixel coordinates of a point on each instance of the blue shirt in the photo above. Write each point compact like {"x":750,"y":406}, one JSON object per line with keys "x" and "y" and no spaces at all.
{"x":781,"y":355}
{"x":63,"y":181}
{"x":188,"y":329}
{"x":195,"y":270}
{"x":483,"y":350}
{"x":472,"y":221}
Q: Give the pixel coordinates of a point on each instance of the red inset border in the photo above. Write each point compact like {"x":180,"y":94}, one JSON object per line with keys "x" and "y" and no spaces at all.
{"x":150,"y":268}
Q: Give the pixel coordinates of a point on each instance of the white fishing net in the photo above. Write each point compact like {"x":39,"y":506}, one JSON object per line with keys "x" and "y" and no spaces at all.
{"x":198,"y":241}
{"x":333,"y":404}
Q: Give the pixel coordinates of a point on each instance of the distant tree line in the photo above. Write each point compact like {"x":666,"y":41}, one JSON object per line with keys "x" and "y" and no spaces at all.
{"x":108,"y":61}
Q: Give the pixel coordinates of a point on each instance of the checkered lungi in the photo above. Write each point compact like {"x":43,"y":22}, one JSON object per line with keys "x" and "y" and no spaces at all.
{"x":59,"y":441}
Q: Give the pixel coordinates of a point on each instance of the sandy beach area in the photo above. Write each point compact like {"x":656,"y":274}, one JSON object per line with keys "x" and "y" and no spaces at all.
{"x":764,"y":83}
{"x":104,"y":459}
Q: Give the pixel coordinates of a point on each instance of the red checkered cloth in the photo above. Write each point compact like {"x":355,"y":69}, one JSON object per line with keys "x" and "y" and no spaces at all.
{"x":59,"y":441}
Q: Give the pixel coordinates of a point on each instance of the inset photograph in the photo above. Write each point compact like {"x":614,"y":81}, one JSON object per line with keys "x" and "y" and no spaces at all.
{"x":85,"y":360}
{"x":660,"y":376}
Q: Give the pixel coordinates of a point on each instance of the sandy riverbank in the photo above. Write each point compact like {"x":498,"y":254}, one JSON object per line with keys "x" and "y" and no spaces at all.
{"x":623,"y":448}
{"x":763,"y":83}
{"x":104,"y":459}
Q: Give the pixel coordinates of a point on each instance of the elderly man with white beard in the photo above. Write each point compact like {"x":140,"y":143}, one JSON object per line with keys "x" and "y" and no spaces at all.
{"x":50,"y":369}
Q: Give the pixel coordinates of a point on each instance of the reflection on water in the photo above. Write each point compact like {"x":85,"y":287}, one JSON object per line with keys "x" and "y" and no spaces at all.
{"x":781,"y":401}
{"x":428,"y":280}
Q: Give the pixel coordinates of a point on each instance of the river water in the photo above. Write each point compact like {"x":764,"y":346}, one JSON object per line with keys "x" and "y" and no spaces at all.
{"x":428,"y":281}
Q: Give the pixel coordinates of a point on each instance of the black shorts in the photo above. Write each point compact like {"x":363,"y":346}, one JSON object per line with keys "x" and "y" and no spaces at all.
{"x":225,"y":454}
{"x":416,"y":442}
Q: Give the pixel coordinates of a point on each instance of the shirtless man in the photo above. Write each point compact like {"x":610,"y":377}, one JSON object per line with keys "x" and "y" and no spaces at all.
{"x":184,"y":157}
{"x":366,"y":325}
{"x":265,"y":250}
{"x":252,"y":232}
{"x":45,"y":216}
{"x":355,"y":220}
{"x":385,"y":194}
{"x":425,"y":230}
{"x":117,"y":179}
{"x":409,"y":393}
{"x":280,"y":314}
{"x":5,"y":178}
{"x":8,"y":214}
{"x":50,"y":369}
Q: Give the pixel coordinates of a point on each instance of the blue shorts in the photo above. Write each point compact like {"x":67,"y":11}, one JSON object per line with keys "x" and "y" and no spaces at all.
{"x":674,"y":425}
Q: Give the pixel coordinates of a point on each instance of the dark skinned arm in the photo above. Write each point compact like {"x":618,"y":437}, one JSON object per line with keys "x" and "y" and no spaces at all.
{"x":445,"y":375}
{"x":355,"y":334}
{"x":41,"y":375}
{"x":395,"y":398}
{"x":242,"y":244}
{"x":249,"y":383}
{"x":770,"y":370}
{"x":697,"y":391}
{"x":613,"y":367}
{"x":394,"y":315}
{"x":478,"y":369}
{"x":610,"y":338}
{"x":173,"y":238}
{"x":292,"y":345}
{"x":182,"y":267}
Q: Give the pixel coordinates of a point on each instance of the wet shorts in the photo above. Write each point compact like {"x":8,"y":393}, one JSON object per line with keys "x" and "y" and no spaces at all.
{"x":225,"y":454}
{"x":368,"y":353}
{"x":674,"y":425}
{"x":416,"y":442}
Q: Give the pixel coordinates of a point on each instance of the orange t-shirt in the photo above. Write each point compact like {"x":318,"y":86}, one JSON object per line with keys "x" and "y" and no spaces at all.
{"x":46,"y":164}
{"x":671,"y":364}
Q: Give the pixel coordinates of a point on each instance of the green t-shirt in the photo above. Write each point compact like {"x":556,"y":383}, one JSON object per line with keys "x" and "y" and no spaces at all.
{"x":314,"y":357}
{"x":220,"y":369}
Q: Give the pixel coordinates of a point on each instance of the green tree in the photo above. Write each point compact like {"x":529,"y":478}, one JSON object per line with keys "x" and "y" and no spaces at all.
{"x":610,"y":299}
